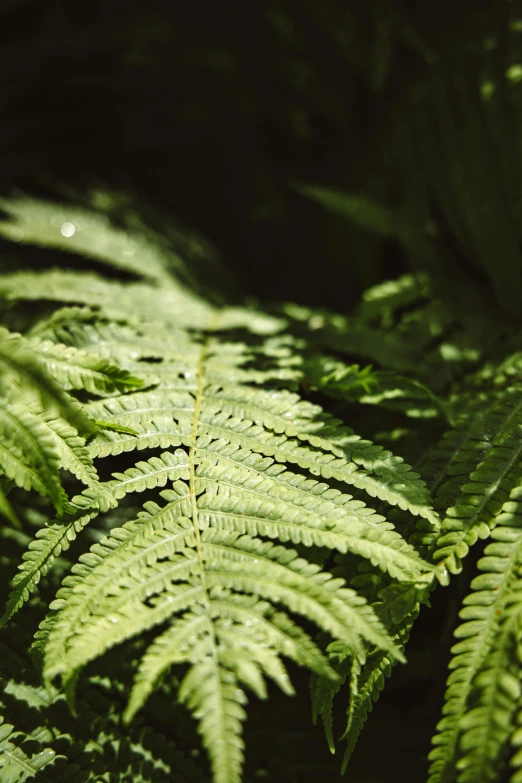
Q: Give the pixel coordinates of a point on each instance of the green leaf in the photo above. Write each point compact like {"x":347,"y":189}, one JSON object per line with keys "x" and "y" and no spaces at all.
{"x":361,"y":210}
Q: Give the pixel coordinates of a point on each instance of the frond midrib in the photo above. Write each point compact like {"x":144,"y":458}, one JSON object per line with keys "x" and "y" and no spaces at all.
{"x":229,"y":763}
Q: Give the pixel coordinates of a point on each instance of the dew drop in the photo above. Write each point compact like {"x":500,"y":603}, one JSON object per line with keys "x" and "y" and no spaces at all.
{"x":48,"y":753}
{"x":67,"y":229}
{"x":128,"y":252}
{"x":16,"y":234}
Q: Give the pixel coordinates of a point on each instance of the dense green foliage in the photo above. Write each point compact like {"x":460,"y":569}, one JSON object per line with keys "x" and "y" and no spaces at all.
{"x":204,"y":498}
{"x":128,"y":381}
{"x":215,"y":562}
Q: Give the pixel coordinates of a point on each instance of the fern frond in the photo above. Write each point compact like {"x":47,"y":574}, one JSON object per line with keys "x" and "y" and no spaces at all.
{"x":211,"y":691}
{"x":74,"y":369}
{"x":398,"y":612}
{"x":167,"y":649}
{"x":230,"y":561}
{"x":481,"y":457}
{"x":324,"y":690}
{"x":48,"y":544}
{"x":130,"y":565}
{"x":160,"y":433}
{"x":459,"y":451}
{"x":273,"y":572}
{"x":383,"y":300}
{"x":72,"y":451}
{"x":139,"y":303}
{"x":18,"y":765}
{"x":207,"y":569}
{"x":483,"y":688}
{"x":335,"y":456}
{"x":86,"y":233}
{"x":29,"y":454}
{"x":398,"y":607}
{"x":43,"y":746}
{"x":481,"y":498}
{"x":369,"y":387}
{"x":22,"y":365}
{"x":279,"y":630}
{"x":56,"y":538}
{"x":326,"y":330}
{"x":365,"y":687}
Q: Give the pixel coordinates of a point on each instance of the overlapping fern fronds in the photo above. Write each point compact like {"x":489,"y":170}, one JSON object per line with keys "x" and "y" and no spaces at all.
{"x":37,"y":744}
{"x":138,"y":386}
{"x":474,"y":473}
{"x":43,"y":427}
{"x":240,"y":474}
{"x":483,"y":491}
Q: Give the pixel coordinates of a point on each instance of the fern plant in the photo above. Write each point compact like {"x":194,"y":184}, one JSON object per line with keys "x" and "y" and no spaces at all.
{"x":194,"y":405}
{"x":463,"y":376}
{"x":207,"y":516}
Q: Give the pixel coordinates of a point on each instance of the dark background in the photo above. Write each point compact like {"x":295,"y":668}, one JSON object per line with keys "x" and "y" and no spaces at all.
{"x":210,"y":110}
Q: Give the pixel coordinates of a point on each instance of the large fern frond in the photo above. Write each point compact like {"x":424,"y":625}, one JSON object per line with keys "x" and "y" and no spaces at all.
{"x":252,"y":470}
{"x":483,"y":687}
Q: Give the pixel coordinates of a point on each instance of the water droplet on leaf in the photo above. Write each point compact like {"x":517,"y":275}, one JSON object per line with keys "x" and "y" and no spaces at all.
{"x":16,"y":234}
{"x":67,"y":229}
